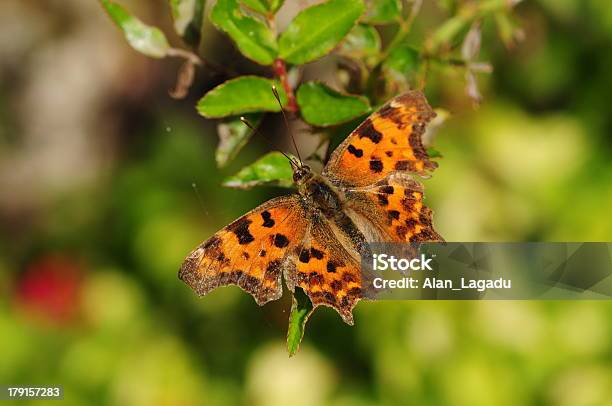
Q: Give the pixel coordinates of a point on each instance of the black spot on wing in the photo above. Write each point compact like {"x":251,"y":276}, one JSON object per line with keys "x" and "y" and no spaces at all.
{"x":383,"y":200}
{"x":268,"y":222}
{"x":376,"y":165}
{"x":316,"y":253}
{"x":280,"y":241}
{"x":387,"y":189}
{"x":367,"y":130}
{"x":240,"y":228}
{"x":355,"y":151}
{"x":304,"y":256}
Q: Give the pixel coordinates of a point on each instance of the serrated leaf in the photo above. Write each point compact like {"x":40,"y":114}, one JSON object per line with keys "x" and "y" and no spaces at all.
{"x":252,"y":37}
{"x":187,"y":16}
{"x":322,"y":106}
{"x":301,"y":307}
{"x":144,"y":38}
{"x":383,"y":11}
{"x":272,"y":169}
{"x":318,"y":29}
{"x":233,"y":135}
{"x":403,"y":60}
{"x":362,"y":42}
{"x":246,"y":94}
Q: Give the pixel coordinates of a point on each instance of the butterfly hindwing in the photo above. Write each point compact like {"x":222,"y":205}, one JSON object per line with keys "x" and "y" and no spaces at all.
{"x":389,"y":140}
{"x":250,"y":252}
{"x":326,"y":270}
{"x":394,"y":206}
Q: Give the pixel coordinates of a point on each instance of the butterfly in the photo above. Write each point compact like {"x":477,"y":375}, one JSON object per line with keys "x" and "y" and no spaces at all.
{"x":314,"y":239}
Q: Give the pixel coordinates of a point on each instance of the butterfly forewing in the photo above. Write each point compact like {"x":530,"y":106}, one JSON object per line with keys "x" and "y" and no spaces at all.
{"x":250,"y":252}
{"x":389,"y":140}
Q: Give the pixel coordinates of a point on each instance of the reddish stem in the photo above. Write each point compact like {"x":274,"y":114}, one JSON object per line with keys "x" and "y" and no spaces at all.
{"x":280,"y":70}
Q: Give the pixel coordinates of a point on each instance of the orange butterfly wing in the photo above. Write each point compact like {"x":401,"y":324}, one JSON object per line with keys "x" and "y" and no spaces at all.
{"x":326,"y":271}
{"x":388,"y":141}
{"x":251,"y":252}
{"x":394,"y":206}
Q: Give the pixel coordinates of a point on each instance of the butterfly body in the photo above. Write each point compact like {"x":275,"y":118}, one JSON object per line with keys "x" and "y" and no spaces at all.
{"x":314,"y":239}
{"x":327,"y":201}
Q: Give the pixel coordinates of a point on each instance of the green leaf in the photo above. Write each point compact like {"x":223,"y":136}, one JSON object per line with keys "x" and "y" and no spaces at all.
{"x":383,"y":11}
{"x":403,"y":60}
{"x":275,"y":5}
{"x":322,"y":106}
{"x":271,"y":169}
{"x":187,"y":16}
{"x":362,"y":42}
{"x":300,"y":311}
{"x":318,"y":29}
{"x":142,"y":37}
{"x":233,"y":135}
{"x":263,"y":6}
{"x":251,"y":36}
{"x":246,"y":94}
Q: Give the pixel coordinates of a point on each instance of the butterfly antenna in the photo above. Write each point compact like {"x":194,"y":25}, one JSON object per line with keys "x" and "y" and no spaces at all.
{"x":277,"y":97}
{"x":256,"y":131}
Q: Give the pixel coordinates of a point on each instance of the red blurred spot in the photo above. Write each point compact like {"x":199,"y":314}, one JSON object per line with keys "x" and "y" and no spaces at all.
{"x":50,"y":288}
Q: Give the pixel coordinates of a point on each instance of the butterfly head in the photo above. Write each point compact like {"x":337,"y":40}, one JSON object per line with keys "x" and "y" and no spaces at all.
{"x":301,"y":174}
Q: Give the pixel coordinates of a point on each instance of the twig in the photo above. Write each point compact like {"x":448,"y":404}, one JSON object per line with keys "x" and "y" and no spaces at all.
{"x":280,"y":70}
{"x":188,"y":55}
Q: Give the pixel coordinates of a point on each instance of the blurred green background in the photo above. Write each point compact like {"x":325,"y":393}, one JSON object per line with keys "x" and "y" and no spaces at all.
{"x":98,"y":209}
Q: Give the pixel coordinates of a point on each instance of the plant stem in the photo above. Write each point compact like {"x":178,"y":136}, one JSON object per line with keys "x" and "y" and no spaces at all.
{"x":280,"y":70}
{"x":183,"y":53}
